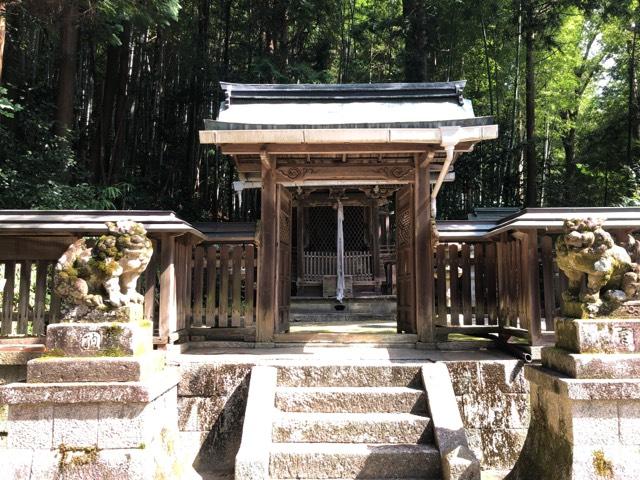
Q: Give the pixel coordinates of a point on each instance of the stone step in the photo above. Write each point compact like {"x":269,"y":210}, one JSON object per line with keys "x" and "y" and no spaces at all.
{"x":349,"y":376}
{"x":387,"y":428}
{"x":351,"y":399}
{"x":348,"y":460}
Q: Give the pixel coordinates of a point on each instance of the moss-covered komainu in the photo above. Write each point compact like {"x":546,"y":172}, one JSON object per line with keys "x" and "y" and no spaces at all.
{"x":102,"y":272}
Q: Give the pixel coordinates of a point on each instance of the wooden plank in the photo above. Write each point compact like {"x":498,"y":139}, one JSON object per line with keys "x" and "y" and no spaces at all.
{"x":236,"y":289}
{"x":198,"y":286}
{"x":23,"y":298}
{"x":249,"y":285}
{"x":490,"y":268}
{"x":212,"y":260}
{"x":300,"y":224}
{"x":454,"y":284}
{"x":546,"y":253}
{"x":188,"y":266}
{"x":267,"y":302}
{"x":333,"y":338}
{"x":33,"y":248}
{"x":179,"y":272}
{"x":479,"y":272}
{"x":223,"y":308}
{"x":7,"y":298}
{"x":167,"y":310}
{"x":42,"y":271}
{"x":532,"y":296}
{"x":441,"y":284}
{"x":229,"y":334}
{"x":467,"y":307}
{"x":423,"y":253}
{"x":150,"y":279}
{"x":501,"y":254}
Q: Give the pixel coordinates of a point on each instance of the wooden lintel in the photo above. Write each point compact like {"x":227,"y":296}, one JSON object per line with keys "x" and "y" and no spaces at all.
{"x":334,"y":148}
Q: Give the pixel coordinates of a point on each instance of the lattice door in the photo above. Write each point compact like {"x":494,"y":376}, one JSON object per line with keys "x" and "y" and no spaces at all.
{"x":284,"y":259}
{"x":405,"y":260}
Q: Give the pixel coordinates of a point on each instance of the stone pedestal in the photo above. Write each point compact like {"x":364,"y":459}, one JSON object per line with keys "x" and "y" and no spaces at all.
{"x":99,"y":405}
{"x":585,"y":404}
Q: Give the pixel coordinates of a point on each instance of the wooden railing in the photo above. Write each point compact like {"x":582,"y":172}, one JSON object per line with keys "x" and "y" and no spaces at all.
{"x":356,"y":264}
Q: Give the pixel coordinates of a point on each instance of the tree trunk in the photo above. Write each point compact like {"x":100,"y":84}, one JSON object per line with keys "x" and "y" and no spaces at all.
{"x":532,"y":166}
{"x":66,"y":80}
{"x":415,"y":41}
{"x":3,"y":34}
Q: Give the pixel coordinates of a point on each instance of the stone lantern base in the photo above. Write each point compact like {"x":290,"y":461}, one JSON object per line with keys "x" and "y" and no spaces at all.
{"x":585,"y":404}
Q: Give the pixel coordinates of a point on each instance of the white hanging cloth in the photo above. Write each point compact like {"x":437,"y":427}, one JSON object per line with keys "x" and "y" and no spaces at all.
{"x":340,"y":255}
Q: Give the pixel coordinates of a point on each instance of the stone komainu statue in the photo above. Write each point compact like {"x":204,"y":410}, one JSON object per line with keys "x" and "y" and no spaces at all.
{"x":101,"y":273}
{"x":586,"y":248}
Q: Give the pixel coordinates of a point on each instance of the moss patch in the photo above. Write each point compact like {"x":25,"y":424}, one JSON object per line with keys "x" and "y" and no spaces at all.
{"x":76,"y":456}
{"x":602,"y":466}
{"x":53,"y":353}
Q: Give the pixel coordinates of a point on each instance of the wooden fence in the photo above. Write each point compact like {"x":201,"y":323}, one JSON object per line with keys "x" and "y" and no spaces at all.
{"x":356,"y":264}
{"x":510,"y":284}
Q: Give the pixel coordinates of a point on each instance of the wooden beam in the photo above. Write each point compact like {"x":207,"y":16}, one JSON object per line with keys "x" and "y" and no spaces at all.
{"x":300,"y":218}
{"x":264,"y":159}
{"x":425,"y":323}
{"x":324,"y":148}
{"x":267,"y":256}
{"x":168,"y":314}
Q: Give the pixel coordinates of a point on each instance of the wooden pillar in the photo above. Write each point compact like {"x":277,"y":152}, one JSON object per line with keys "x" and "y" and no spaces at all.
{"x":374,"y":225}
{"x":300,"y":244}
{"x":168,"y":314}
{"x":423,"y":255}
{"x":267,"y":257}
{"x":532,"y":285}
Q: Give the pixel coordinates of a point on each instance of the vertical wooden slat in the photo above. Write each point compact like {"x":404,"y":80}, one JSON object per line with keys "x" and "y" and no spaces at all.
{"x":546,"y":251}
{"x":466,"y":284}
{"x":168,"y":309}
{"x":453,"y":282}
{"x":490,"y":269}
{"x":223,"y":308}
{"x":441,"y":284}
{"x":7,"y":298}
{"x":236,"y":290}
{"x":479,"y":278}
{"x":532,"y":295}
{"x":41,"y":290}
{"x":212,"y":259}
{"x":150,"y":275}
{"x":189,"y":267}
{"x":179,"y":272}
{"x":249,"y":284}
{"x":198,"y":286}
{"x":23,"y":299}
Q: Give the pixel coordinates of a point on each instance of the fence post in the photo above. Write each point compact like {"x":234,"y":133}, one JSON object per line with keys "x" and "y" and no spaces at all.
{"x":168,"y":315}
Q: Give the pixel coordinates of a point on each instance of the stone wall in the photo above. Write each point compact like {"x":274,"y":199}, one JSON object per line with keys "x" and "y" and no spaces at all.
{"x":493,"y":398}
{"x":211,"y":403}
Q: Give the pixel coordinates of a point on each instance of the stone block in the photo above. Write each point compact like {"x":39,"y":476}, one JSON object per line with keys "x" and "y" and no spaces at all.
{"x":501,"y":447}
{"x":63,"y":393}
{"x":629,"y":422}
{"x":30,"y":426}
{"x":75,"y":425}
{"x":126,"y":425}
{"x":199,"y":414}
{"x":112,"y":339}
{"x":594,"y":422}
{"x":460,"y":464}
{"x":503,"y":376}
{"x":93,"y":369}
{"x":496,"y":410}
{"x":598,"y":335}
{"x":606,"y":462}
{"x":465,"y":376}
{"x":217,"y":379}
{"x":16,"y":463}
{"x":592,"y":365}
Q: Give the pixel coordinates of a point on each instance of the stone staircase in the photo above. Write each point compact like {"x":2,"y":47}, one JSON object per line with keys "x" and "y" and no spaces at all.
{"x":335,"y":422}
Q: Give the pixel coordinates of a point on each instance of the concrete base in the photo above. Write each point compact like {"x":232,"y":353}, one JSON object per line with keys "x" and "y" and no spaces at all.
{"x":92,"y":430}
{"x":580,"y":429}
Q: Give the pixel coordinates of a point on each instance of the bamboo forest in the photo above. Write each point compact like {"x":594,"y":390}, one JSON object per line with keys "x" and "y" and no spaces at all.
{"x":101,"y":101}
